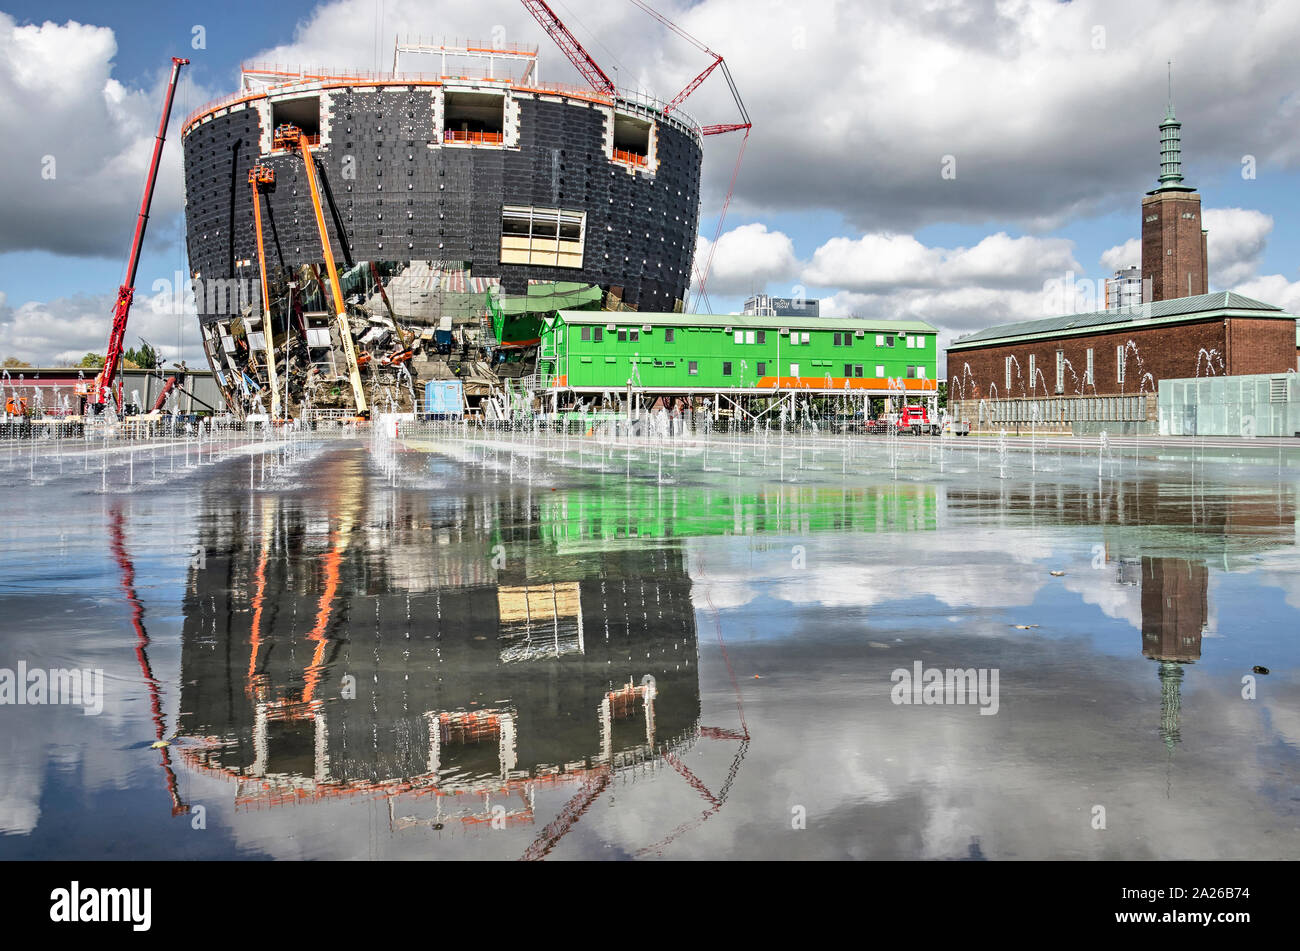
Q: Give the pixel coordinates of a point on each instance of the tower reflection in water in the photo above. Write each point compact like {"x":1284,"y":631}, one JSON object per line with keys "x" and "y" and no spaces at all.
{"x":430,"y":650}
{"x":1175,"y":611}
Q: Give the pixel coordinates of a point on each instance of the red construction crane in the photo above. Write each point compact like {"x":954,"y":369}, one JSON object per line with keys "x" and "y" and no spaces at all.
{"x":602,"y":83}
{"x":125,"y":293}
{"x":717,"y":129}
{"x":566,"y":41}
{"x":166,"y":392}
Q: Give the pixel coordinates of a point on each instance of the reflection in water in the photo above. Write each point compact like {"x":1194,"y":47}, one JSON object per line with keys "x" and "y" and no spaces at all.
{"x":444,"y":649}
{"x":1175,"y":611}
{"x":117,"y":536}
{"x":319,"y":660}
{"x":1243,"y":515}
{"x":585,"y":515}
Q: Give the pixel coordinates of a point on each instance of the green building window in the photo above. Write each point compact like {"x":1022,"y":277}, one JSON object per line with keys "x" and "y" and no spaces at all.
{"x":857,"y":369}
{"x":668,"y":335}
{"x":586,"y":334}
{"x":634,"y":335}
{"x":848,"y":369}
{"x":726,"y":368}
{"x":694,"y":368}
{"x":762,"y":336}
{"x":622,"y":336}
{"x":762,"y":367}
{"x":599,"y":334}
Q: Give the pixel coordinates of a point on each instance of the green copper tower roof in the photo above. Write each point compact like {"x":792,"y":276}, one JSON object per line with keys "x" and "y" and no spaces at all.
{"x":1171,"y":151}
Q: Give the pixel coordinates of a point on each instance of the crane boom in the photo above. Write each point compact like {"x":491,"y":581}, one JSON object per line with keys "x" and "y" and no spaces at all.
{"x":567,"y":42}
{"x":289,"y":137}
{"x":258,"y":176}
{"x":126,"y":293}
{"x":693,"y":85}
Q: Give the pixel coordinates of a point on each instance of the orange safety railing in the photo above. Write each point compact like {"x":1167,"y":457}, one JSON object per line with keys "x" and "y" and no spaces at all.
{"x":629,"y":158}
{"x":473,"y":138}
{"x":312,"y":141}
{"x":318,"y":78}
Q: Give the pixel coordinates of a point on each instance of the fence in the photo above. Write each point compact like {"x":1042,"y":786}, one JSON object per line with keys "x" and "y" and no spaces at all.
{"x":1072,"y":414}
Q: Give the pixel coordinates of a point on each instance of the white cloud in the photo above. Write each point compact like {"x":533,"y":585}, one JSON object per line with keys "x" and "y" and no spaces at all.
{"x":855,"y":105}
{"x":747,"y":259}
{"x":890,"y":261}
{"x":957,"y":290}
{"x":1273,"y":289}
{"x":1235,"y":242}
{"x":1121,"y":256}
{"x":77,"y":143}
{"x":60,"y":331}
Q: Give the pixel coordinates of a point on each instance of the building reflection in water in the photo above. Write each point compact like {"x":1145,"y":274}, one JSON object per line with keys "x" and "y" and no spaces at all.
{"x":1235,"y":521}
{"x":1175,"y":611}
{"x":439,"y":657}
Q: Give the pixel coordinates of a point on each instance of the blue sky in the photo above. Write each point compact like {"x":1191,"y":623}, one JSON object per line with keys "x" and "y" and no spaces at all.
{"x":1054,"y":133}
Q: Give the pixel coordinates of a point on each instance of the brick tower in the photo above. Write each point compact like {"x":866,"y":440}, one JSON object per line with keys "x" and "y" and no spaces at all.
{"x":1174,"y":261}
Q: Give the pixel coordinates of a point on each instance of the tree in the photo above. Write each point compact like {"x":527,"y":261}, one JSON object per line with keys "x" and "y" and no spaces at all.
{"x":146,"y":358}
{"x":91,"y":361}
{"x":11,"y":363}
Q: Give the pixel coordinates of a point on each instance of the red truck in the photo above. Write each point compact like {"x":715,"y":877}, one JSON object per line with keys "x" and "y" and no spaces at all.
{"x":911,"y":421}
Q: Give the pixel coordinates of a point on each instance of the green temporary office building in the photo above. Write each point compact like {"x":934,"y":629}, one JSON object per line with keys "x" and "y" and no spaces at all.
{"x":597,"y":351}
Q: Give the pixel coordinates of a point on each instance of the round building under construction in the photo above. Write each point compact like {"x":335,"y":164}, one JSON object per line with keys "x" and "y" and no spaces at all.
{"x":354,"y":236}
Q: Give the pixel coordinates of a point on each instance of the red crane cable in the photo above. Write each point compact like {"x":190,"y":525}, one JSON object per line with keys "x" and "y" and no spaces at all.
{"x":722,"y":216}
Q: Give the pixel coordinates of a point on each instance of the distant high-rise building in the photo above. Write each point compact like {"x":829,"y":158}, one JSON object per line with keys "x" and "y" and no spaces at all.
{"x":760,"y":305}
{"x":1124,"y":289}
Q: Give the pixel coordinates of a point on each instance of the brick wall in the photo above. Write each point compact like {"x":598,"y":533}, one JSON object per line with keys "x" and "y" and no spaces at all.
{"x":1236,"y":346}
{"x":1257,"y":345}
{"x":1161,"y":351}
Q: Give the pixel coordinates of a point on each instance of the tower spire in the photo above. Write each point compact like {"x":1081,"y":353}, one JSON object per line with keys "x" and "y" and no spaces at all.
{"x":1171,"y":148}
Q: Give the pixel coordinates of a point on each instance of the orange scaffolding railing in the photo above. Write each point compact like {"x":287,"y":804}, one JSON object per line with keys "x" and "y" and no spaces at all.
{"x":629,"y":158}
{"x":316,"y":78}
{"x":472,"y":138}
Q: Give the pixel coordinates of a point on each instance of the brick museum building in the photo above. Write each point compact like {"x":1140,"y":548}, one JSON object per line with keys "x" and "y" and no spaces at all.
{"x":1105,"y":367}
